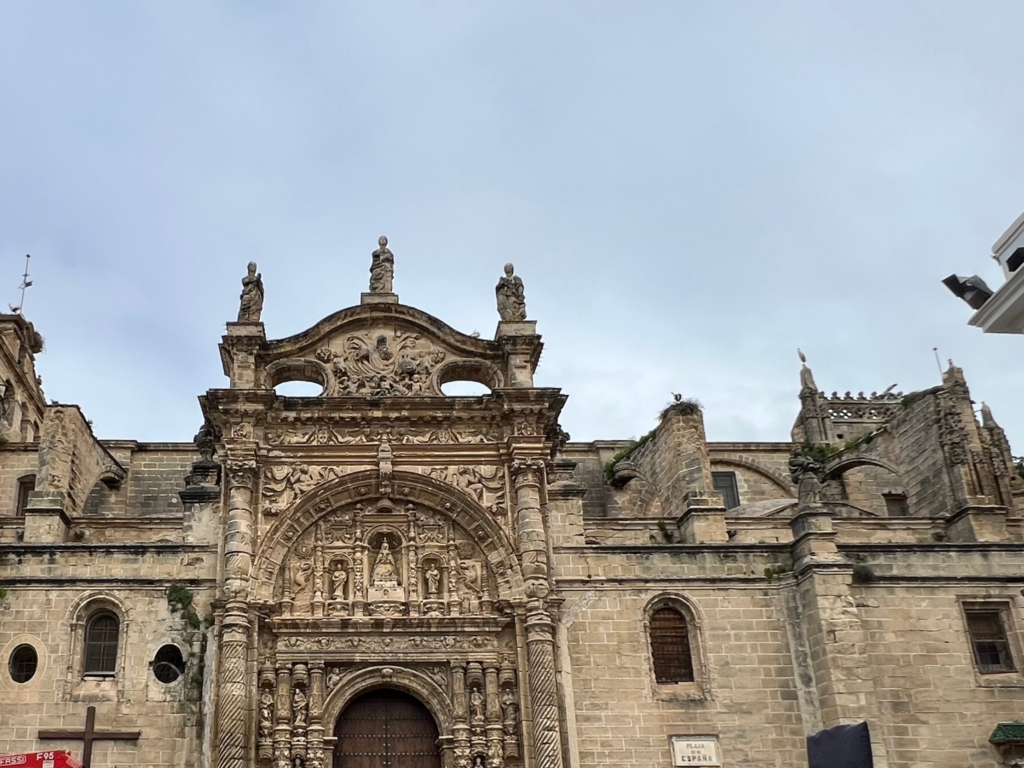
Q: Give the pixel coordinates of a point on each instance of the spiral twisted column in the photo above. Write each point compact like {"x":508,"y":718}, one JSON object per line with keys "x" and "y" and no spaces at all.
{"x":231,"y":721}
{"x":232,"y":731}
{"x":540,"y":629}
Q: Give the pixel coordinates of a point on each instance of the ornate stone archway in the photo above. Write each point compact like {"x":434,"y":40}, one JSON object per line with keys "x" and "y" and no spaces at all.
{"x":414,"y":683}
{"x":364,"y":488}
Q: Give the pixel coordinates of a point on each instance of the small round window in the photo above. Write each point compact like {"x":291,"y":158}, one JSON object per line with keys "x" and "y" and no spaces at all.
{"x":168,"y":664}
{"x":23,"y":663}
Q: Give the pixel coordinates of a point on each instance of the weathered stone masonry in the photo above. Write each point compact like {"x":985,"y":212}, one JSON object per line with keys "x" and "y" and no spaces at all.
{"x":307,"y":554}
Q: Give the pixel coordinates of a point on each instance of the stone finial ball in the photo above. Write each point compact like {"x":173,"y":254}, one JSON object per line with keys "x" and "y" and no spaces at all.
{"x":382,"y":241}
{"x":509,"y":269}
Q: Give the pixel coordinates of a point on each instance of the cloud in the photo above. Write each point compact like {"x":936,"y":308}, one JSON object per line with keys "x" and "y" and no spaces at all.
{"x":689,"y":190}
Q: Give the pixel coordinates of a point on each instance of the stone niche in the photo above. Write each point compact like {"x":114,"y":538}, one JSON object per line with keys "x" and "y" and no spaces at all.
{"x":385,"y":560}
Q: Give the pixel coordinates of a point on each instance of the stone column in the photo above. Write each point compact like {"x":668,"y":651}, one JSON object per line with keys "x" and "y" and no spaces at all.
{"x":315,"y":732}
{"x":460,"y":731}
{"x":540,"y":629}
{"x":283,"y":716}
{"x":232,"y":706}
{"x":495,"y":733}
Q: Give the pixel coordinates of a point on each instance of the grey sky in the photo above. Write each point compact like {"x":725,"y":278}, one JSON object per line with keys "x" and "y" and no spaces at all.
{"x":690,"y":190}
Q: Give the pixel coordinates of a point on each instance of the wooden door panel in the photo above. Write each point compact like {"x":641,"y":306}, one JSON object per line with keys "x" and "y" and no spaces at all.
{"x":386,"y":729}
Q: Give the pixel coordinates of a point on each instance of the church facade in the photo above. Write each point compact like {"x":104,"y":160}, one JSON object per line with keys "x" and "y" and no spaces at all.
{"x":382,"y":575}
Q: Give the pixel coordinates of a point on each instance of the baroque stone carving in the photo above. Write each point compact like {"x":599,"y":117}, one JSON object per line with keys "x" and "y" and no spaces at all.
{"x":338,"y":577}
{"x":251,"y":300}
{"x":433,"y":577}
{"x":283,"y":485}
{"x":382,"y":268}
{"x":266,"y":715}
{"x":384,"y":572}
{"x":367,"y":433}
{"x":393,"y":642}
{"x":488,"y":490}
{"x":510,"y":296}
{"x":299,"y":702}
{"x":476,"y":706}
{"x":383,"y":367}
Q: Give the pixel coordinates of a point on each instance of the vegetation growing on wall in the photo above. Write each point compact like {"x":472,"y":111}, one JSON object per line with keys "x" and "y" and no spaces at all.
{"x":685,"y":407}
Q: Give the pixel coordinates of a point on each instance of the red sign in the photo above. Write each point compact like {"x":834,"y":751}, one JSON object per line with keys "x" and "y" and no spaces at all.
{"x":54,"y":759}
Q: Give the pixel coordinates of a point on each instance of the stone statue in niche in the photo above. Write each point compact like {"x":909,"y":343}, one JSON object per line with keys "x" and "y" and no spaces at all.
{"x":338,"y":578}
{"x":382,"y":268}
{"x":384,"y":573}
{"x":266,"y":714}
{"x":297,"y":761}
{"x":511,"y":298}
{"x":476,"y":706}
{"x":433,"y":577}
{"x":478,"y":762}
{"x":299,"y":708}
{"x":509,"y":712}
{"x":251,"y":303}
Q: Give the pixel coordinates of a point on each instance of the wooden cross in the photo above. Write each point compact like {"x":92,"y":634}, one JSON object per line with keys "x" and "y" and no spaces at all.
{"x":89,"y":735}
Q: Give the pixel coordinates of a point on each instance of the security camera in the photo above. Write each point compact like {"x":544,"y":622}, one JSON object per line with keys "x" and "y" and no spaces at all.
{"x":971,"y":289}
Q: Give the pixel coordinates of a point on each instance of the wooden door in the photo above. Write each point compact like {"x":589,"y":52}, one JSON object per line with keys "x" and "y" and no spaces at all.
{"x":386,"y":729}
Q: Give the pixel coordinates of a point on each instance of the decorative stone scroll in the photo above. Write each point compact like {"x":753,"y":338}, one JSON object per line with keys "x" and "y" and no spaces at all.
{"x":385,"y":433}
{"x":374,"y":365}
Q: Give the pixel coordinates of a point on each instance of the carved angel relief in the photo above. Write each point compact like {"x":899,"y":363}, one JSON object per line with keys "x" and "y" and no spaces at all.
{"x":487,"y":489}
{"x":283,"y":485}
{"x":376,"y":366}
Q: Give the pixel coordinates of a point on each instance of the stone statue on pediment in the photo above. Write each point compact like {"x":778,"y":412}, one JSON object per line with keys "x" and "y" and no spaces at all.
{"x":511,"y":297}
{"x":382,"y":268}
{"x":251,"y":303}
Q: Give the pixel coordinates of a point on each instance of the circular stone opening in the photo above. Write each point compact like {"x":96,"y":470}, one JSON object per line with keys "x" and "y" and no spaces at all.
{"x":23,"y":663}
{"x":168,"y":664}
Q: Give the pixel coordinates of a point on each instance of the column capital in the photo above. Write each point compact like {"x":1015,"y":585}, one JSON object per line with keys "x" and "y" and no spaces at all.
{"x":522,"y":468}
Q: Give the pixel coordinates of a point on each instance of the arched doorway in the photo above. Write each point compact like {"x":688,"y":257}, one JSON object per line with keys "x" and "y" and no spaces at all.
{"x":386,"y":729}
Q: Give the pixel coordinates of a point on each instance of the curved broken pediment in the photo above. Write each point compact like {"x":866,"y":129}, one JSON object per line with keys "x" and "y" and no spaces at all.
{"x":380,"y":351}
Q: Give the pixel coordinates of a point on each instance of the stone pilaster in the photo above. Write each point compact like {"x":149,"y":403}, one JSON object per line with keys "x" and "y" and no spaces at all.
{"x":495,"y":734}
{"x":835,"y":637}
{"x":315,"y":732}
{"x":460,"y":730}
{"x":283,"y":716}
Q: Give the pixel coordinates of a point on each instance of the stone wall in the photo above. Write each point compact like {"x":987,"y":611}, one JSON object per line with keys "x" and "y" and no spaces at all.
{"x":937,"y":710}
{"x":748,"y":696}
{"x":46,"y":606}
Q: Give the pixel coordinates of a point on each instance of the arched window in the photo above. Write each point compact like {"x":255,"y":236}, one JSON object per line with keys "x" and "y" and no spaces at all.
{"x":670,"y":646}
{"x":101,"y":636}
